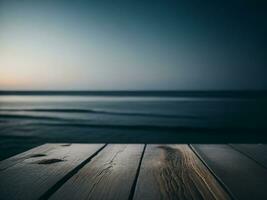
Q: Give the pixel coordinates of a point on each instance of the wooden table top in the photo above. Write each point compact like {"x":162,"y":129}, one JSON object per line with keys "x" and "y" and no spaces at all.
{"x":136,"y":171}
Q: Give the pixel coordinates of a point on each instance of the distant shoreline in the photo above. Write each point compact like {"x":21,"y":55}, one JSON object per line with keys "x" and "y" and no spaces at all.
{"x":145,"y":93}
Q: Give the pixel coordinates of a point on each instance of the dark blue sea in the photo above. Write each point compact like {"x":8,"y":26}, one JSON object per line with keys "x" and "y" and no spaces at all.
{"x":28,"y":119}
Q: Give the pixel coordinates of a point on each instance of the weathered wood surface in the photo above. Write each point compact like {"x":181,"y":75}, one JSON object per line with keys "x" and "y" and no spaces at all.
{"x":243,"y":177}
{"x":110,"y":175}
{"x":175,"y":172}
{"x":29,"y":175}
{"x":123,"y":171}
{"x":257,"y":152}
{"x":43,"y":149}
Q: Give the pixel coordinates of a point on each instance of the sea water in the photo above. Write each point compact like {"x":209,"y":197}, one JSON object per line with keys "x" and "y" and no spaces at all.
{"x":33,"y":119}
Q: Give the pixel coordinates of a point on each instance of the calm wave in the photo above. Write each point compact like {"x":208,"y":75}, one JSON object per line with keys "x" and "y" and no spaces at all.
{"x":29,"y":120}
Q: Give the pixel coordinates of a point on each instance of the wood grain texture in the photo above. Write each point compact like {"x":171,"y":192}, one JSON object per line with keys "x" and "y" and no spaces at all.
{"x":243,"y":177}
{"x":109,"y":175}
{"x":257,"y":152}
{"x":42,"y":150}
{"x":41,"y":168}
{"x":175,"y":172}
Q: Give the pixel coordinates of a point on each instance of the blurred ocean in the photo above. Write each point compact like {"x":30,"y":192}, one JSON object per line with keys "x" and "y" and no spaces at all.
{"x":31,"y":119}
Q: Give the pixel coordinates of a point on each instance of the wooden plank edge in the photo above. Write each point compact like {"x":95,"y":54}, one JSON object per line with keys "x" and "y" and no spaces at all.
{"x":218,"y":179}
{"x":20,"y":157}
{"x":247,"y":155}
{"x":63,"y":180}
{"x":132,"y":191}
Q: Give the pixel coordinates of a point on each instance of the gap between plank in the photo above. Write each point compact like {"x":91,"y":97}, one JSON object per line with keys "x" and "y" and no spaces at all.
{"x":55,"y":187}
{"x":221,"y":183}
{"x":247,"y":155}
{"x":132,"y":191}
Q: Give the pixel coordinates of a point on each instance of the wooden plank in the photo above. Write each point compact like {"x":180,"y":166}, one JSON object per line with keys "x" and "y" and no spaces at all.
{"x":32,"y":177}
{"x":243,"y":177}
{"x":175,"y":172}
{"x":42,"y":151}
{"x":110,"y":175}
{"x":257,"y":152}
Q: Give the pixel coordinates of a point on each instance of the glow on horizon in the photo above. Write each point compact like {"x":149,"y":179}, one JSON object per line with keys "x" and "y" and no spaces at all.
{"x":50,"y":57}
{"x":94,"y":46}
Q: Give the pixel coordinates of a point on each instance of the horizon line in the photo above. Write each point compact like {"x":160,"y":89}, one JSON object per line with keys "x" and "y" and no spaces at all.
{"x":143,"y":93}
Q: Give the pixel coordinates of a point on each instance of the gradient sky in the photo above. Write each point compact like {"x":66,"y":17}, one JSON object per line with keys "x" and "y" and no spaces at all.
{"x":110,"y":45}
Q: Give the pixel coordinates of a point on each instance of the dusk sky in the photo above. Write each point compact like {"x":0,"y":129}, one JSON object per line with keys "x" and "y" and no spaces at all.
{"x":133,"y":45}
